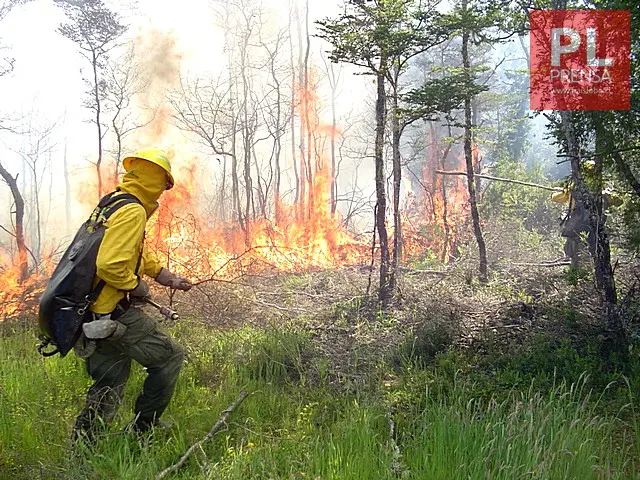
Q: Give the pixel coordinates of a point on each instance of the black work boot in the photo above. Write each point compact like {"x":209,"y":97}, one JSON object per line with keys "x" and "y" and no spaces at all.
{"x":85,"y":429}
{"x":141,"y":425}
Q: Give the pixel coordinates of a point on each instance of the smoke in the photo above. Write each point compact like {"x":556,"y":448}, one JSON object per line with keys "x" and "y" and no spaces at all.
{"x":159,"y":59}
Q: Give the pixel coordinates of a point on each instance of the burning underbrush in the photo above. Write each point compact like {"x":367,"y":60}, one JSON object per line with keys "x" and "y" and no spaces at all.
{"x":440,"y":308}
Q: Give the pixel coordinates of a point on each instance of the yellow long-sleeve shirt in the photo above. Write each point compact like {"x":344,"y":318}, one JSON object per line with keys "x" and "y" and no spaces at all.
{"x":118,"y":255}
{"x":610,"y":199}
{"x":123,"y":240}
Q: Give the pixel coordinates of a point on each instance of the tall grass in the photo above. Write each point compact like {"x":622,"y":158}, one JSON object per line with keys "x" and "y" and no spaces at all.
{"x":529,"y":435}
{"x":294,"y":426}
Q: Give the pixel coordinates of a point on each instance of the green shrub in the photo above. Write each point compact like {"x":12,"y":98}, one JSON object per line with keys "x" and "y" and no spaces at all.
{"x":533,"y":206}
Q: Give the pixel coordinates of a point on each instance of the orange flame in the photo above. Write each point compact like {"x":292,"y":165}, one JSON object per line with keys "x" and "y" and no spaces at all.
{"x":436,"y":217}
{"x":305,"y":235}
{"x":19,"y":297}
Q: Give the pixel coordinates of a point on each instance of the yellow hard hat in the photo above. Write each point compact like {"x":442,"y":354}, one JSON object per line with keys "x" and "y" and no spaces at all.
{"x":153,"y":155}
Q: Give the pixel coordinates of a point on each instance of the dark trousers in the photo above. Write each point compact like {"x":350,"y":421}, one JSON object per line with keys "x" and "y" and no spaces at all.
{"x":109,"y":366}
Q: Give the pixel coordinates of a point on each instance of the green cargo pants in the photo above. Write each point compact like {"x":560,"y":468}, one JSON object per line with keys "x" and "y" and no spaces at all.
{"x":109,"y":366}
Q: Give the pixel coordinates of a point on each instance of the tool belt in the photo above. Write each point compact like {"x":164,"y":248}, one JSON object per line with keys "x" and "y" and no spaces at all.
{"x":122,"y":306}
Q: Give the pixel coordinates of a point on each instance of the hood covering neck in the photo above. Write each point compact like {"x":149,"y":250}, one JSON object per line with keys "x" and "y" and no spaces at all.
{"x":146,"y":181}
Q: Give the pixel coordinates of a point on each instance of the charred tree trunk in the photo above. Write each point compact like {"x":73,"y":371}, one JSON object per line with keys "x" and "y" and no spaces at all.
{"x":310,"y":132}
{"x":397,"y":178}
{"x":23,"y":264}
{"x":384,"y":291}
{"x":597,"y":238}
{"x":292,"y":120}
{"x":277,"y":141}
{"x":601,"y":251}
{"x":304,"y":176}
{"x":468,"y":154}
{"x":235,"y":179}
{"x":334,"y":190}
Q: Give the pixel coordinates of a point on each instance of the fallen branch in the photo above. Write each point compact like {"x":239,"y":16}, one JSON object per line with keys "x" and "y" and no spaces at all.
{"x":499,"y":179}
{"x":425,"y":271}
{"x":543,"y":264}
{"x":221,"y":421}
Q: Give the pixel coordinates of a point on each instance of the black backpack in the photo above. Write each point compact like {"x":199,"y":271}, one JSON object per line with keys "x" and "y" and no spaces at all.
{"x":64,"y":305}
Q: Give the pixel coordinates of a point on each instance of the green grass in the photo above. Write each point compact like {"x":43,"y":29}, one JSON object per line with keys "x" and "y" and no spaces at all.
{"x":529,"y":435}
{"x":298,"y":423}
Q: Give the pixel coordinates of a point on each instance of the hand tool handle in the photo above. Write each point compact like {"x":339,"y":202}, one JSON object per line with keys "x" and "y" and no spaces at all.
{"x":166,"y":311}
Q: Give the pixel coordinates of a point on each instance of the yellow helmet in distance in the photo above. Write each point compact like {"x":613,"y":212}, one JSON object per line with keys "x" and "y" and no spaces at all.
{"x":153,"y":155}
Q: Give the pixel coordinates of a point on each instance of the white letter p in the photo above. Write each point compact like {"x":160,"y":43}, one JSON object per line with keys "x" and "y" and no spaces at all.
{"x":557,"y":49}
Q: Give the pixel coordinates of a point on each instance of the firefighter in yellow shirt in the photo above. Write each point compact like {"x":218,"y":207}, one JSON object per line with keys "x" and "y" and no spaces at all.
{"x":120,"y":331}
{"x":576,"y":226}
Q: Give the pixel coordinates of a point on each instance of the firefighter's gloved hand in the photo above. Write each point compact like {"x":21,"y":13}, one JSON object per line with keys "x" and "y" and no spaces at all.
{"x":140,"y":292}
{"x":168,"y":279}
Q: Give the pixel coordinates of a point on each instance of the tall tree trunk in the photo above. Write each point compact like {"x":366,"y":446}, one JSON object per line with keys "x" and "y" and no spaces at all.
{"x":445,"y":201}
{"x":235,"y":184}
{"x":334,"y":190}
{"x":36,"y":246}
{"x":96,"y":92}
{"x":397,"y":179}
{"x":234,"y":110}
{"x":303,"y":125}
{"x":248,"y":185}
{"x":310,"y":131}
{"x":468,"y":154}
{"x":118,"y":133}
{"x":601,"y":249}
{"x":23,"y":264}
{"x":598,"y":239}
{"x":235,"y":177}
{"x":292,"y":119}
{"x":222,"y":202}
{"x":277,"y":140}
{"x":247,"y":133}
{"x":384,"y":291}
{"x":262,"y":191}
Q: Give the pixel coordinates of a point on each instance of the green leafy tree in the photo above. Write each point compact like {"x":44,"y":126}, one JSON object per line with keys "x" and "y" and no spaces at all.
{"x":476,"y":22}
{"x":381,"y":36}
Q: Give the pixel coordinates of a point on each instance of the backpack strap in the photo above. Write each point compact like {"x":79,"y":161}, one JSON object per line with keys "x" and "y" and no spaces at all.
{"x":110,"y":203}
{"x":107,"y":206}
